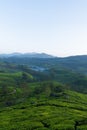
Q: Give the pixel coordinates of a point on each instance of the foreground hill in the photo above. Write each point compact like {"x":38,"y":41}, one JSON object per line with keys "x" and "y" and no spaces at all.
{"x":49,"y":107}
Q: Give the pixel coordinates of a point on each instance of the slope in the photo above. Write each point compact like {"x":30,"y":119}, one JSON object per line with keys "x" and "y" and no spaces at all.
{"x":50,"y":107}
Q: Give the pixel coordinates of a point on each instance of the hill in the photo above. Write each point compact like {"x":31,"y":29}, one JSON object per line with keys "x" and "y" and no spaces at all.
{"x":12,"y":74}
{"x":47,"y":106}
{"x":42,"y":94}
{"x":75,"y":63}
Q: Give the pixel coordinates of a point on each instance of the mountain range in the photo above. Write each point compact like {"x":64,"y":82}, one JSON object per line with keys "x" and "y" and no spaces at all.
{"x":29,"y":55}
{"x":44,"y":61}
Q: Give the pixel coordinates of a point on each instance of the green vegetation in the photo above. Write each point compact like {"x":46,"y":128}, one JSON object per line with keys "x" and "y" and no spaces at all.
{"x":45,"y":105}
{"x":54,"y":99}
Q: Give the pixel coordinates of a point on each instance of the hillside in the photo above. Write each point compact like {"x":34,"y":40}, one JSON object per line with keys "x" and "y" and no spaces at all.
{"x":54,"y":98}
{"x":50,"y":106}
{"x":12,"y":73}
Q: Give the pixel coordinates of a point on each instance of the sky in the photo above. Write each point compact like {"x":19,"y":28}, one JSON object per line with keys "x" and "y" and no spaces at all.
{"x":57,"y":27}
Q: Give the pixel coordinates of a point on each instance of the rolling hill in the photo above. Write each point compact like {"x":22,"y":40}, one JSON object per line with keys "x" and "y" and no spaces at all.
{"x":43,"y":93}
{"x":46,"y":106}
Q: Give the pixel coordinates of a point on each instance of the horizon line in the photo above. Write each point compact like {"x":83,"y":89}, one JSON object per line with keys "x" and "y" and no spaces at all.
{"x":56,"y":56}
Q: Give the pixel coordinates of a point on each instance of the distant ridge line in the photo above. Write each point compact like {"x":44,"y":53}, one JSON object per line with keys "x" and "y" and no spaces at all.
{"x":30,"y":55}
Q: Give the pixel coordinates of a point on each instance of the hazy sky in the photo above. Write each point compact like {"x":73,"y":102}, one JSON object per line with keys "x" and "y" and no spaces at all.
{"x":57,"y":27}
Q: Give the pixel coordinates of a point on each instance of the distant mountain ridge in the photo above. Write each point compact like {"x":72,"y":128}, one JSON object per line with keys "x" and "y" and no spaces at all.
{"x":29,"y":55}
{"x":76,"y":63}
